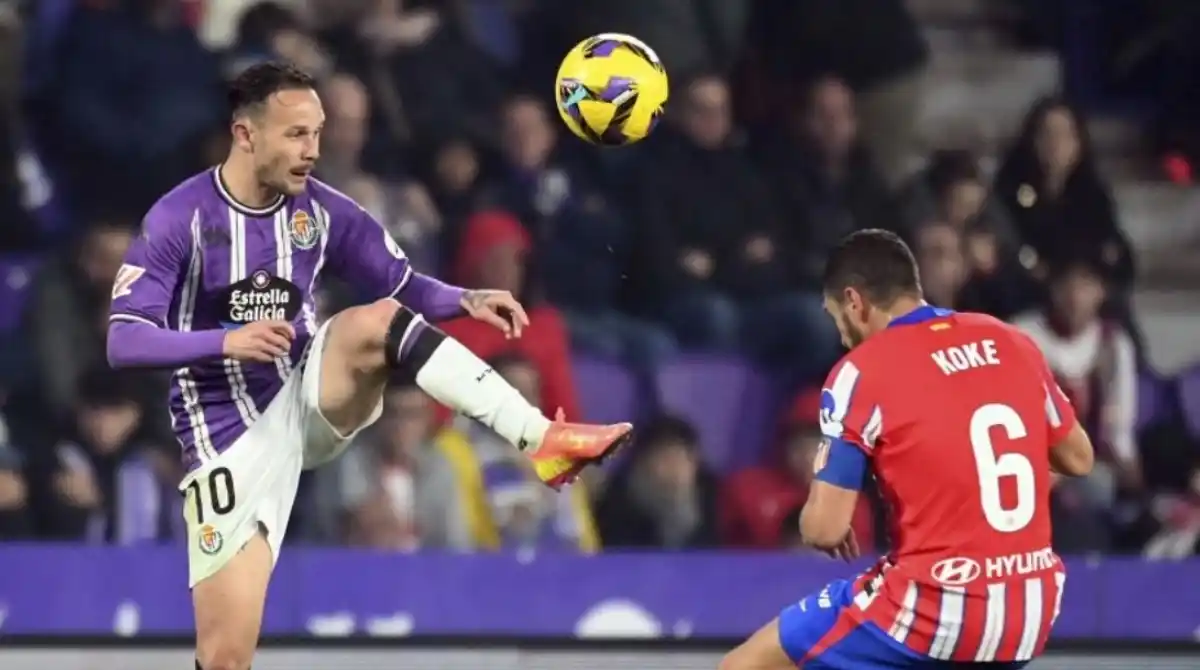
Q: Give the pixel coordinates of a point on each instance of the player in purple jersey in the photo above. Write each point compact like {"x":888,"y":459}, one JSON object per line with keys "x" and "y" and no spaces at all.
{"x":219,"y":287}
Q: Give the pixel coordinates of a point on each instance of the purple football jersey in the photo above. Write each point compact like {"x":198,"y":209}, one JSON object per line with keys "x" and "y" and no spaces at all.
{"x":206,"y":262}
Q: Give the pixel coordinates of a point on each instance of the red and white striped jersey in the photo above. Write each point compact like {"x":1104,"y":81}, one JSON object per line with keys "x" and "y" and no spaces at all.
{"x":957,"y":414}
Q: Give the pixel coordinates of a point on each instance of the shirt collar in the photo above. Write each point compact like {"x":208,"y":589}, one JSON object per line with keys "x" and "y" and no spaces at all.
{"x":920,"y":315}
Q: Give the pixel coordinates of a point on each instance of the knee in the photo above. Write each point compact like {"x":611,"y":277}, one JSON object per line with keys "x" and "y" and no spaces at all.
{"x":367,"y":325}
{"x":224,"y":655}
{"x":361,"y":333}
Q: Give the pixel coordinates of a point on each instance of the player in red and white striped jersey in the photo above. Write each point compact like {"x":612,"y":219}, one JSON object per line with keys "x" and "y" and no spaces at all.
{"x":959,"y":419}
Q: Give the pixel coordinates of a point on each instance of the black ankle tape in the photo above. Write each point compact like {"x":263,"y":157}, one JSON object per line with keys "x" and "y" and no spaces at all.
{"x":421,"y":342}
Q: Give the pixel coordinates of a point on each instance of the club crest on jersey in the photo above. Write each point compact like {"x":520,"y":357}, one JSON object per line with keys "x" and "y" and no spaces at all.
{"x":260,"y":297}
{"x":304,"y":230}
{"x":210,"y":540}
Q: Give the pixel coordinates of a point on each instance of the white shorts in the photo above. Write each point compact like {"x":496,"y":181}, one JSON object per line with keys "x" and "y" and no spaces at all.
{"x":253,"y":483}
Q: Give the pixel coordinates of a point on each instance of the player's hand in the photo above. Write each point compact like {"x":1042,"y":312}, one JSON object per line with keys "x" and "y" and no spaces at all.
{"x":260,"y":341}
{"x":847,"y":550}
{"x":498,"y":308}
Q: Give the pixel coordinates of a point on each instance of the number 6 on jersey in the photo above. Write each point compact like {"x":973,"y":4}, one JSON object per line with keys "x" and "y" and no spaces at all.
{"x":991,"y":467}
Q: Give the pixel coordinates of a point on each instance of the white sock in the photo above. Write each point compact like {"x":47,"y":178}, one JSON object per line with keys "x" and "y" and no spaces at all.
{"x":459,"y":379}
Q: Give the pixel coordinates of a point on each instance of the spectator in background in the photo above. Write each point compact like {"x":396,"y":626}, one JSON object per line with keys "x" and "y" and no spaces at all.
{"x":823,"y":178}
{"x":429,"y":81}
{"x":397,"y":489}
{"x":715,"y":262}
{"x":15,"y":521}
{"x":1061,"y":207}
{"x":454,"y":178}
{"x":494,"y":253}
{"x":1094,"y":361}
{"x":689,"y":35}
{"x":135,"y":97}
{"x":756,"y":502}
{"x":67,"y":317}
{"x":952,"y":189}
{"x":270,"y":31}
{"x":83,"y":478}
{"x":997,"y":282}
{"x":664,"y":497}
{"x":405,"y":208}
{"x":875,"y":45}
{"x":582,"y":244}
{"x":516,"y":511}
{"x":943,"y":267}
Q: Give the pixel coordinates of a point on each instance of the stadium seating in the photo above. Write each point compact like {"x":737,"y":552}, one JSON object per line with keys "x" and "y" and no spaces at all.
{"x":1189,"y":399}
{"x":1154,"y":399}
{"x":732,"y":406}
{"x":608,"y":393}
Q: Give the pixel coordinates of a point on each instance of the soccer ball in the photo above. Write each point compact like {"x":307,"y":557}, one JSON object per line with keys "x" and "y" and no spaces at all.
{"x":611,"y":89}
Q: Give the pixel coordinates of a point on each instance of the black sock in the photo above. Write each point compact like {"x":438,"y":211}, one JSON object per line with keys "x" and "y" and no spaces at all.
{"x":198,"y":665}
{"x":410,"y":342}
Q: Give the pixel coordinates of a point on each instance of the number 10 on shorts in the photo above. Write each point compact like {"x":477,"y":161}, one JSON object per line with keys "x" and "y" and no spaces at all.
{"x":211,"y":495}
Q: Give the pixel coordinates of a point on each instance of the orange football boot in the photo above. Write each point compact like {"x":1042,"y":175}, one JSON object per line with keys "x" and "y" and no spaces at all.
{"x":568,"y":448}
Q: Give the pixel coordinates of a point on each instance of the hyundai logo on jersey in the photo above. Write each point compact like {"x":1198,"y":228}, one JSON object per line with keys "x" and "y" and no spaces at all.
{"x":957,"y":571}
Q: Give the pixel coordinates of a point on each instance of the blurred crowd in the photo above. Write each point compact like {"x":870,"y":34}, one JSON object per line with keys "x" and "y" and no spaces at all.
{"x":788,"y":127}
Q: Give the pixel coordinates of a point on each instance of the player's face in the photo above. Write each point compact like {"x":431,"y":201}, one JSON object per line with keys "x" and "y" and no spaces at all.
{"x":849,"y":314}
{"x":286,"y":140}
{"x":1078,"y":298}
{"x":1058,"y":140}
{"x":528,"y":136}
{"x":707,"y":112}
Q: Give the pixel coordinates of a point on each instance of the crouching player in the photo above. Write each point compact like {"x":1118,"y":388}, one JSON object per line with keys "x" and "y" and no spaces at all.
{"x":958,"y":418}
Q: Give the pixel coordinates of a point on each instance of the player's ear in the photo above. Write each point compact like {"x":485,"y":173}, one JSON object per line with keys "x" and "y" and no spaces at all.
{"x":243,"y":133}
{"x":852,"y":299}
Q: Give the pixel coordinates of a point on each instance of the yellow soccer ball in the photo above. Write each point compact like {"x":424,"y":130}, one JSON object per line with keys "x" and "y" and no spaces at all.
{"x":611,"y":89}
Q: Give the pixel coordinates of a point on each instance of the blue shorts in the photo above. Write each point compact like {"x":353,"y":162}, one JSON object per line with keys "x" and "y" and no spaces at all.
{"x":821,"y":623}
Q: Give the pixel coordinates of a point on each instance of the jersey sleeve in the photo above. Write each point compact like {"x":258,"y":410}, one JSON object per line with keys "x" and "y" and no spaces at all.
{"x":362,"y":252}
{"x":147,"y":281}
{"x":850,"y":419}
{"x":850,"y":407}
{"x":1059,"y":413}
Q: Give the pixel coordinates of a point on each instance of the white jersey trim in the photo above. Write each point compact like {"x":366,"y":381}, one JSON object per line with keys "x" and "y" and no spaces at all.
{"x":183,"y":376}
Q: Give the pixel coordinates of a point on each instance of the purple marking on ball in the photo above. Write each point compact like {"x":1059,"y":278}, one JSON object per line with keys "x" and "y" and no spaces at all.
{"x":616,"y":87}
{"x":603,"y":48}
